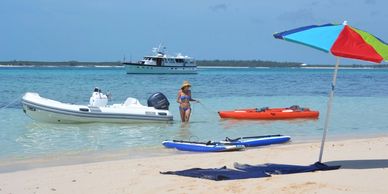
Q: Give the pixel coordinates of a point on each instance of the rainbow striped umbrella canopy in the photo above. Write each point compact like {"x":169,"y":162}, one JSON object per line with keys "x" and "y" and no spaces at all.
{"x":340,"y":40}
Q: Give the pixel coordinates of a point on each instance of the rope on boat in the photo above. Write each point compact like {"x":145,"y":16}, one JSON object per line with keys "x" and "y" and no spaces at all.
{"x":11,"y":103}
{"x":207,"y":108}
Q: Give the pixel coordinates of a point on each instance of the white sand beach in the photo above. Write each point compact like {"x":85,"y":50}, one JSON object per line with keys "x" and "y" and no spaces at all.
{"x":364,"y":170}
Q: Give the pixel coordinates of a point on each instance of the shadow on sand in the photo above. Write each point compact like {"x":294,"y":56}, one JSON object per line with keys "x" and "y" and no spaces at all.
{"x":359,"y":164}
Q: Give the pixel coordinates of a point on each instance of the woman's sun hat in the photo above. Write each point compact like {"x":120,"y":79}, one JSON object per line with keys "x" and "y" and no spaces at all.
{"x":185,"y":83}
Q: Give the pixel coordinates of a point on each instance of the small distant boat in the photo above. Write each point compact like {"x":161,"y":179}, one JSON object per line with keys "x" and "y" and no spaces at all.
{"x":161,"y":63}
{"x":255,"y":141}
{"x":98,"y":110}
{"x":201,"y":146}
{"x":293,"y":112}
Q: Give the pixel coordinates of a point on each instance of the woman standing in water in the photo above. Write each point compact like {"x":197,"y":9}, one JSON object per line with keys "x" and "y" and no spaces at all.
{"x":184,"y":98}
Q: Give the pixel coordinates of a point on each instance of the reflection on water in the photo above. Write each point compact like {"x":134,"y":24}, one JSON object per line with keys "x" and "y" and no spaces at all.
{"x":184,"y":131}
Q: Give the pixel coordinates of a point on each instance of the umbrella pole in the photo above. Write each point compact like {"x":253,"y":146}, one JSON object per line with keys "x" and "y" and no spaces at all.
{"x":329,"y":105}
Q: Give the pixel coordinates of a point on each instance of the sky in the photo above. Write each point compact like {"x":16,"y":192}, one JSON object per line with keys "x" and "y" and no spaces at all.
{"x":109,"y":30}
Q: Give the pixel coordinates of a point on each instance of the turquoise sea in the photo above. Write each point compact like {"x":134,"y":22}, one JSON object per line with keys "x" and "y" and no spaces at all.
{"x":360,"y":106}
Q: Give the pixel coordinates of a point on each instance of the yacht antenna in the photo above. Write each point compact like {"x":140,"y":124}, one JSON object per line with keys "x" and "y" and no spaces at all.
{"x":160,"y":49}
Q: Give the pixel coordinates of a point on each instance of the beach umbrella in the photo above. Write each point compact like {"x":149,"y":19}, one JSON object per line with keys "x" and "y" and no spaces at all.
{"x":340,"y":40}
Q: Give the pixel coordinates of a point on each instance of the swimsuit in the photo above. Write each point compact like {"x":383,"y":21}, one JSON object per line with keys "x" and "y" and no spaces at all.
{"x":184,"y":98}
{"x":186,"y":108}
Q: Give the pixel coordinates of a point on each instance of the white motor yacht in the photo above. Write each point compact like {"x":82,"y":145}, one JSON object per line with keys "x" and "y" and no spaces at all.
{"x":161,"y":63}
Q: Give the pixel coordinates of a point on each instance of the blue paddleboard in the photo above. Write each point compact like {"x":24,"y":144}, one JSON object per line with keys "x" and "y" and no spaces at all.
{"x":201,"y":146}
{"x":258,"y":140}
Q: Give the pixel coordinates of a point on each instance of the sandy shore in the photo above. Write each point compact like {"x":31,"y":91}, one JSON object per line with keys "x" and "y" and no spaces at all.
{"x":364,"y":170}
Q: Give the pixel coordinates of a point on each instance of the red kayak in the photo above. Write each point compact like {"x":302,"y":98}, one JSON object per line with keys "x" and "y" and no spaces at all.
{"x":292,"y":112}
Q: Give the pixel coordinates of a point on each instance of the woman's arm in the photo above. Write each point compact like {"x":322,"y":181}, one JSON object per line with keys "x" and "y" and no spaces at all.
{"x":178,"y":99}
{"x":191,"y":99}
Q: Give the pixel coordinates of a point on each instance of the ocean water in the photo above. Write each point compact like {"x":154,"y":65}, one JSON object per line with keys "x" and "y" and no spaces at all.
{"x":360,"y":106}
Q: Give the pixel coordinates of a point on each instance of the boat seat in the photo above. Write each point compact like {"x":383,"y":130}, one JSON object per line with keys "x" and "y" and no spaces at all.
{"x":131,"y":101}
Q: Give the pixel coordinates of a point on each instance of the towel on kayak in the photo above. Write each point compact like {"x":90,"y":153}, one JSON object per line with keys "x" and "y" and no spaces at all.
{"x":246,"y":171}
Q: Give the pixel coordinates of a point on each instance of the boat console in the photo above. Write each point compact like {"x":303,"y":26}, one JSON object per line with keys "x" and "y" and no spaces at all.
{"x":98,"y":99}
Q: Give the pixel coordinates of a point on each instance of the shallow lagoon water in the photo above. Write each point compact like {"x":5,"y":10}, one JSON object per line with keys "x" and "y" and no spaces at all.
{"x":360,"y":106}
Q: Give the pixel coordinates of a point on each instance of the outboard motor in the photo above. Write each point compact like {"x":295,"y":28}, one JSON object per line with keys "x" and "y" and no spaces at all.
{"x":158,"y":101}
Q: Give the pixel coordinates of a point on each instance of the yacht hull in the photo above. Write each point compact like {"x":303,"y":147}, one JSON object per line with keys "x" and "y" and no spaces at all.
{"x":136,"y":68}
